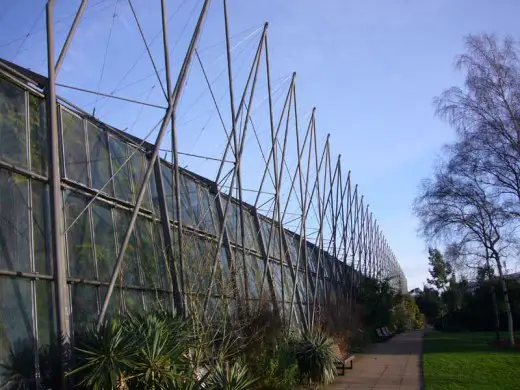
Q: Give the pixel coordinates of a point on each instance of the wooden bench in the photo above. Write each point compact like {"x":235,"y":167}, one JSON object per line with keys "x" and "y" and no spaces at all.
{"x":341,"y":360}
{"x":381,"y":335}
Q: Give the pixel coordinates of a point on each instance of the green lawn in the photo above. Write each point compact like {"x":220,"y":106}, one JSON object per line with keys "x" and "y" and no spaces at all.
{"x":465,"y":361}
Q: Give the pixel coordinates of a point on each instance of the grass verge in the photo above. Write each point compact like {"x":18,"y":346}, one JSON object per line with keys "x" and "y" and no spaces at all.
{"x":465,"y":361}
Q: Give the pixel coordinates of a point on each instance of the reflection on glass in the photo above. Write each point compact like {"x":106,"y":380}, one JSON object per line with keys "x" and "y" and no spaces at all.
{"x":104,"y":240}
{"x":122,"y":179}
{"x":13,"y":136}
{"x":80,"y":255}
{"x":38,"y":129}
{"x":189,"y":201}
{"x":84,"y":305}
{"x":14,"y":222}
{"x":271,"y":237}
{"x":16,"y":325}
{"x":167,"y":175}
{"x":152,"y":274}
{"x":139,"y":164}
{"x":130,"y":268}
{"x":133,"y":301}
{"x":75,"y":152}
{"x":46,"y":313}
{"x":99,"y":159}
{"x":41,"y":228}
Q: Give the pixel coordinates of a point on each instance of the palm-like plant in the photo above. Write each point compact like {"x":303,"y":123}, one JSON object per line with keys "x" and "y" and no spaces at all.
{"x":145,"y":351}
{"x":230,"y":377}
{"x":104,"y":357}
{"x":161,"y":354}
{"x":315,"y":356}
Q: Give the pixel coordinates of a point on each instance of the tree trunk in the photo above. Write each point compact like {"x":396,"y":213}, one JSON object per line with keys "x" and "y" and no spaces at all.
{"x":506,"y":300}
{"x":494,"y":301}
{"x":495,"y":309}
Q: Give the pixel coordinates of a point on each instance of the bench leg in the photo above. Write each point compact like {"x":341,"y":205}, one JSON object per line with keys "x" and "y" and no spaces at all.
{"x":351,"y":364}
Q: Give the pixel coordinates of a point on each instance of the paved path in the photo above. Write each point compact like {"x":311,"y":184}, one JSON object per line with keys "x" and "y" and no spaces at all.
{"x":395,"y":364}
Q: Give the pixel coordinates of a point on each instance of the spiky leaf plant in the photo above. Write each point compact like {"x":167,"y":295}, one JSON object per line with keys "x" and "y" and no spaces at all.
{"x":315,"y":356}
{"x":225,"y":376}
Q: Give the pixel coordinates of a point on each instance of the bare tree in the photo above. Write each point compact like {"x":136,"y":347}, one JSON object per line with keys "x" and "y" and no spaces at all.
{"x":486,"y":115}
{"x":455,"y":206}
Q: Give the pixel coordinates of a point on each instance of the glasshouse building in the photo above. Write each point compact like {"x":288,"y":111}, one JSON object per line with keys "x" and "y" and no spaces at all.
{"x":231,"y":255}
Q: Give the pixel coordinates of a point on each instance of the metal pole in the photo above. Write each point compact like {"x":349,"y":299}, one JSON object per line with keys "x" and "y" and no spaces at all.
{"x":58,"y":242}
{"x":242,"y":101}
{"x":278,"y":179}
{"x":168,"y":242}
{"x":239,"y":150}
{"x":70,"y":35}
{"x":171,"y":109}
{"x":175,"y":153}
{"x":235,"y":142}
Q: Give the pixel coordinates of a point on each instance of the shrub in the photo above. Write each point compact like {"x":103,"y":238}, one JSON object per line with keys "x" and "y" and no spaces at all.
{"x":278,"y":368}
{"x":315,"y":357}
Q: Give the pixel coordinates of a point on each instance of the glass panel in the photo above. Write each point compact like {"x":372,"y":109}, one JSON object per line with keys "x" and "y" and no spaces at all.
{"x":84,"y":305}
{"x":311,"y":259}
{"x":81,"y":258}
{"x":162,"y":260}
{"x":45,"y":312}
{"x":251,"y":237}
{"x":99,"y":159}
{"x":41,"y":228}
{"x":133,"y":301}
{"x":38,"y":129}
{"x":301,"y":286}
{"x":274,"y":246}
{"x":154,"y":277}
{"x":193,"y":266}
{"x":276,"y":273}
{"x":122,"y":181}
{"x":75,"y":151}
{"x":14,"y":222}
{"x":168,"y":191}
{"x":227,"y":282}
{"x":153,"y":192}
{"x":104,"y":240}
{"x":288,"y":283}
{"x":189,"y":201}
{"x":158,"y":300}
{"x":130,"y":268}
{"x":16,"y":324}
{"x":13,"y":137}
{"x":254,"y":277}
{"x":207,"y":211}
{"x":115,"y":306}
{"x":139,"y":165}
{"x":232,"y":221}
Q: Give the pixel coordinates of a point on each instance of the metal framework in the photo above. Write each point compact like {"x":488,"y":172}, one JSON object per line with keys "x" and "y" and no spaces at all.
{"x":307,"y":252}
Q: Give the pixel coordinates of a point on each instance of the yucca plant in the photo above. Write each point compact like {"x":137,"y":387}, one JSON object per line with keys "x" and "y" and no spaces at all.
{"x":315,"y":356}
{"x":104,"y":356}
{"x":225,"y":376}
{"x":161,"y":356}
{"x":145,"y":351}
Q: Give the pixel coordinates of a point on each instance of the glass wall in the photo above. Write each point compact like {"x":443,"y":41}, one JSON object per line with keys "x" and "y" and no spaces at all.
{"x":97,"y":161}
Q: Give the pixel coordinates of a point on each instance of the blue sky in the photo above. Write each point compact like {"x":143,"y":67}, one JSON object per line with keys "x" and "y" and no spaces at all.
{"x":370,"y":67}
